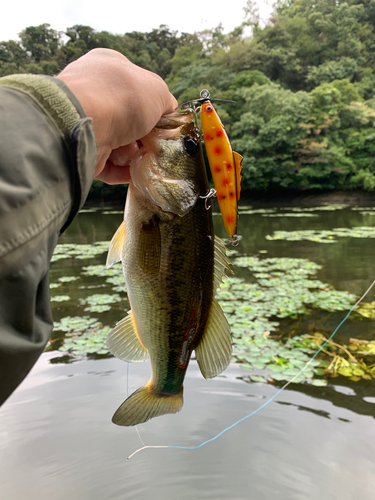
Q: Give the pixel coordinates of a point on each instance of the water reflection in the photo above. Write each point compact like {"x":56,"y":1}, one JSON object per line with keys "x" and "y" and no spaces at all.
{"x":58,"y":437}
{"x":310,"y":443}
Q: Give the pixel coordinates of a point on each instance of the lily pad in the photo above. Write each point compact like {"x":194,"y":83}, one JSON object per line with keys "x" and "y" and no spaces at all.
{"x":323,"y":236}
{"x":77,"y":251}
{"x":284,"y":287}
{"x":60,"y":298}
{"x":100,"y":302}
{"x":296,"y":214}
{"x":89,"y":342}
{"x":76,"y":323}
{"x":54,"y":285}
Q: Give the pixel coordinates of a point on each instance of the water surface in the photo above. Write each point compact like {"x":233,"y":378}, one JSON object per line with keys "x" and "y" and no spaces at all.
{"x":56,"y":436}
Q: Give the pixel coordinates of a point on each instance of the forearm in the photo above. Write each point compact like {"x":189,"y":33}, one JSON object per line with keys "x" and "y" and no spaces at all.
{"x":47,"y":162}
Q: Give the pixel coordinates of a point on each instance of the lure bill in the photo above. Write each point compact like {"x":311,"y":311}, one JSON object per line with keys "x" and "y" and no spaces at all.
{"x":224,"y":163}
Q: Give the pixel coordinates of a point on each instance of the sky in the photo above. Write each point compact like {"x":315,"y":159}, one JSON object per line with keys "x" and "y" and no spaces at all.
{"x":121,"y":16}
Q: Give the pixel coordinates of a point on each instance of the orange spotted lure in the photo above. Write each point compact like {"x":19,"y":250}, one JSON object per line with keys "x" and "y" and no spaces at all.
{"x":225,"y":164}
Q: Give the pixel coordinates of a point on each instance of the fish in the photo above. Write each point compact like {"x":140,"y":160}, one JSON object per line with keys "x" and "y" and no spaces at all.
{"x":172,"y":265}
{"x":225,"y":166}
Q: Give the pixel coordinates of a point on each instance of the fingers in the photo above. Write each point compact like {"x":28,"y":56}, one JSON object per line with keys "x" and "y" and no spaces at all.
{"x":124,"y":154}
{"x":114,"y":174}
{"x":116,"y":168}
{"x":124,"y":101}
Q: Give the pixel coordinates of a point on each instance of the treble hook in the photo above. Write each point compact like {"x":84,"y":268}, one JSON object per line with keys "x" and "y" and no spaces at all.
{"x":211,"y":193}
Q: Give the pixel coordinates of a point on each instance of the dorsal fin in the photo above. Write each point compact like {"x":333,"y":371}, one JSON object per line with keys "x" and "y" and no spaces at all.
{"x":116,"y":246}
{"x":237,"y":161}
{"x":221,"y":263}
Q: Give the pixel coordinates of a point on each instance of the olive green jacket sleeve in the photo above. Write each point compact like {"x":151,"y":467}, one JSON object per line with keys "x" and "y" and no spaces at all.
{"x":47,"y":162}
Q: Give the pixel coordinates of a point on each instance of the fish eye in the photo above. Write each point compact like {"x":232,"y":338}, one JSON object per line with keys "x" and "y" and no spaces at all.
{"x":191,"y":146}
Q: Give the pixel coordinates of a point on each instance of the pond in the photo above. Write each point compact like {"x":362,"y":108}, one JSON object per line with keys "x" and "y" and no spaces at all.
{"x":297,"y":272}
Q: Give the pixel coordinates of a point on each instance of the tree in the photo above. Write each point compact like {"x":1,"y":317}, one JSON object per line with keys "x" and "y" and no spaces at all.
{"x":303,"y":82}
{"x":40,"y":42}
{"x":13,"y":58}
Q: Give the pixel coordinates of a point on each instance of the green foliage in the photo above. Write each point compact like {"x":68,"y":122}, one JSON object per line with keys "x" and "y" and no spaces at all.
{"x":99,"y":302}
{"x":284,"y":288}
{"x":303,"y":82}
{"x":343,"y":67}
{"x":354,"y":361}
{"x":277,"y":288}
{"x":40,"y":42}
{"x":90,"y":342}
{"x":248,"y":78}
{"x":70,"y":324}
{"x":277,"y":362}
{"x":71,"y":250}
{"x":323,"y":236}
{"x":290,"y":360}
{"x":60,"y":298}
{"x":268,"y":134}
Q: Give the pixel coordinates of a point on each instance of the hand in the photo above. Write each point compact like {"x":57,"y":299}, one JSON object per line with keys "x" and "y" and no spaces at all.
{"x":125,"y":103}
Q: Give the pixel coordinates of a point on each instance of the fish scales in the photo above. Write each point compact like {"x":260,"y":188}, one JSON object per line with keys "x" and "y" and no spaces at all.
{"x":168,"y":263}
{"x":162,"y":307}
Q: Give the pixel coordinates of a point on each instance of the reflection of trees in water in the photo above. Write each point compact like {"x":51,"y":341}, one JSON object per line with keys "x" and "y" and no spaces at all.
{"x":352,"y":401}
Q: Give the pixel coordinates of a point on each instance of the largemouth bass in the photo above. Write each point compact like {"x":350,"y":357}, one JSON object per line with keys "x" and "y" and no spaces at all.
{"x":172,"y":266}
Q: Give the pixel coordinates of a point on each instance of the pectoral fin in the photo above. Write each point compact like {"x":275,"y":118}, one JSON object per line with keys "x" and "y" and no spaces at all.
{"x":123,"y":341}
{"x":214,"y":351}
{"x":116,"y":246}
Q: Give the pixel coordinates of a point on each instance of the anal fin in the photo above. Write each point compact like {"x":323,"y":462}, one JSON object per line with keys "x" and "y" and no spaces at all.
{"x":123,"y":341}
{"x":214,"y":351}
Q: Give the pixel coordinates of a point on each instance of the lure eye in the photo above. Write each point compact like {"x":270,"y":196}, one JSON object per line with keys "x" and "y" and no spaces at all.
{"x":209,"y":108}
{"x":191,"y":146}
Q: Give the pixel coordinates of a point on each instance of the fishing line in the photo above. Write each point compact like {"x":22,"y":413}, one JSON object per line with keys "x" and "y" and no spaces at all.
{"x":144,"y":447}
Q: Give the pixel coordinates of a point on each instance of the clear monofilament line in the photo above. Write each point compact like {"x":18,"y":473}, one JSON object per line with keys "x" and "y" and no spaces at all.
{"x":264,"y":404}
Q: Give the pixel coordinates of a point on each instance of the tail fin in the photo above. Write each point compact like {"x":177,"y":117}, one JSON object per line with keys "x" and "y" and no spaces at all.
{"x":144,"y":404}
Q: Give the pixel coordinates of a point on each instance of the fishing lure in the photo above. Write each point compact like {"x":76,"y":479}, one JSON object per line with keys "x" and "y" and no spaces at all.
{"x":225,"y":164}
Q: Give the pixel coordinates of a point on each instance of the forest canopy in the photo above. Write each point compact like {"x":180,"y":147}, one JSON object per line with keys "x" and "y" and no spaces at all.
{"x":303,"y":82}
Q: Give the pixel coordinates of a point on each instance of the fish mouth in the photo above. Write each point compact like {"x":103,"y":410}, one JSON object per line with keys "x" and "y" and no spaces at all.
{"x":162,"y":170}
{"x":171,"y":124}
{"x":177,"y":124}
{"x":176,"y":120}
